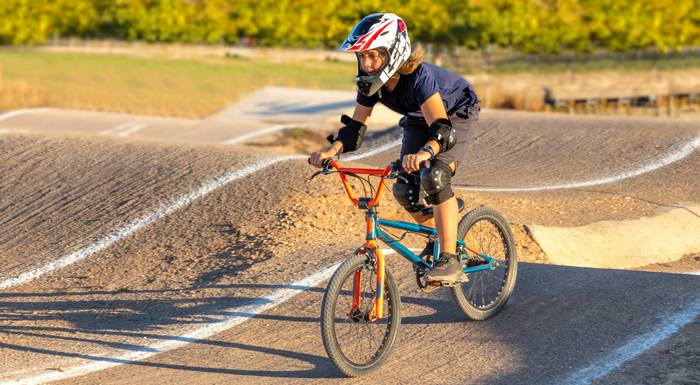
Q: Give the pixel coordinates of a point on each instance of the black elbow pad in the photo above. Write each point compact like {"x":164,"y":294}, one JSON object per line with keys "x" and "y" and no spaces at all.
{"x":442,"y":132}
{"x":350,"y":135}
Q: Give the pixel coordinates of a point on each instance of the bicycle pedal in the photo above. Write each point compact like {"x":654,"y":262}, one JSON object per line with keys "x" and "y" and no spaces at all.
{"x":448,"y":283}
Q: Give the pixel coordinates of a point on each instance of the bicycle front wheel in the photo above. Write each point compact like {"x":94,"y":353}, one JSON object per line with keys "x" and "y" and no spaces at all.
{"x":355,"y":342}
{"x":485,"y":232}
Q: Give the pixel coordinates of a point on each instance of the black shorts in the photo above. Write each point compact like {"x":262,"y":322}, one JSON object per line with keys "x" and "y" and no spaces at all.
{"x":416,"y":134}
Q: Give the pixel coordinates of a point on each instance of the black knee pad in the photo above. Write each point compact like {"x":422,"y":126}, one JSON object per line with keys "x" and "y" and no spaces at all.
{"x":408,"y":194}
{"x":437,"y":182}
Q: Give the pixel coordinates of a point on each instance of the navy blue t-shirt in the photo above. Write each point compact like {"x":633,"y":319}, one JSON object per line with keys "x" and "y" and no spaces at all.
{"x":414,"y":89}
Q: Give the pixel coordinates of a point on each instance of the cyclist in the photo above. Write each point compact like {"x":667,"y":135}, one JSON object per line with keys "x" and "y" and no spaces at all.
{"x":440,"y":112}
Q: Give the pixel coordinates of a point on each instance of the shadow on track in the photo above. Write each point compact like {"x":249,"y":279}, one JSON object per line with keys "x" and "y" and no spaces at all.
{"x":559,"y":318}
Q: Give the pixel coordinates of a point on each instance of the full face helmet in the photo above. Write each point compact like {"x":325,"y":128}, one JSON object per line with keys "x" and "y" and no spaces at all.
{"x":387,"y":33}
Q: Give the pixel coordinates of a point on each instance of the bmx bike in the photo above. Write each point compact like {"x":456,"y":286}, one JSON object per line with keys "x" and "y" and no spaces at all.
{"x":360,"y":312}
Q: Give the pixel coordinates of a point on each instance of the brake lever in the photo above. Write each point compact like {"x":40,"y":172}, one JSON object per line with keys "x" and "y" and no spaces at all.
{"x":396,"y":171}
{"x":325,"y":168}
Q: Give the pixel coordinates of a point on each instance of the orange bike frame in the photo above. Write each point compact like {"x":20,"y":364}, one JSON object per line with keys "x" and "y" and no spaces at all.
{"x":370,"y":240}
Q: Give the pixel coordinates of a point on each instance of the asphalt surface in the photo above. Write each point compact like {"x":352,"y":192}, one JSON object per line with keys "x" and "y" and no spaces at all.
{"x":559,"y":320}
{"x":202,"y":263}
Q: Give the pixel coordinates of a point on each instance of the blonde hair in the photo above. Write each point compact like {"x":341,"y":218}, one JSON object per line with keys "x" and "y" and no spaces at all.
{"x":413,"y":61}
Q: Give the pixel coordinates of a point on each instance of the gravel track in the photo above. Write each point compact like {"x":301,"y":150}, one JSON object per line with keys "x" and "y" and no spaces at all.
{"x":59,"y":193}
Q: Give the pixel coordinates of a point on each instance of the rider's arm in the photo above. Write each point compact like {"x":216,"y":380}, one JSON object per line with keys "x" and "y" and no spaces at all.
{"x":432,"y":110}
{"x":360,"y":114}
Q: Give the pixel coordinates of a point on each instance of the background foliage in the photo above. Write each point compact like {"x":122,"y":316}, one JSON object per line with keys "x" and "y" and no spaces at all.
{"x":531,"y":26}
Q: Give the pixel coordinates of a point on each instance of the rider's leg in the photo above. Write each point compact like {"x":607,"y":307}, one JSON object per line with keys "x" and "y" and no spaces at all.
{"x":446,"y":221}
{"x":415,"y":135}
{"x":437,"y":184}
{"x":408,"y":193}
{"x":408,"y":190}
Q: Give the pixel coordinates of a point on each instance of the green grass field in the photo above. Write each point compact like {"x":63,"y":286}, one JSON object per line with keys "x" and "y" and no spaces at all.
{"x":195,"y":88}
{"x":152,"y":86}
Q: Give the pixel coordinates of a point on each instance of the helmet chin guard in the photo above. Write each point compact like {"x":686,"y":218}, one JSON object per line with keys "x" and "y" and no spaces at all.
{"x":387,"y":33}
{"x":365,"y":82}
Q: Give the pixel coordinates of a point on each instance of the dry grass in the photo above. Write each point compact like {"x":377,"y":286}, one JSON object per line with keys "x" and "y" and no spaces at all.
{"x":20,"y":94}
{"x":526,"y":90}
{"x":152,"y":86}
{"x":198,"y":86}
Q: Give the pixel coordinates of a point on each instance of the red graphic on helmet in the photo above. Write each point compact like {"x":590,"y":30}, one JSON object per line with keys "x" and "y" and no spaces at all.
{"x":364,"y":42}
{"x":402,"y":25}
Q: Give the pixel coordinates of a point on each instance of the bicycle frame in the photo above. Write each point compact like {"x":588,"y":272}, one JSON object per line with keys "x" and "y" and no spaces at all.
{"x":374,"y":232}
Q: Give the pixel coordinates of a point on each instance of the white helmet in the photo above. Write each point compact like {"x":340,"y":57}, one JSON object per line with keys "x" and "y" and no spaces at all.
{"x":383,"y":31}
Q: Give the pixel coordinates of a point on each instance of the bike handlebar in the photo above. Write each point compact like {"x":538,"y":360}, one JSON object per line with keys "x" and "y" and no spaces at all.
{"x":391,"y":171}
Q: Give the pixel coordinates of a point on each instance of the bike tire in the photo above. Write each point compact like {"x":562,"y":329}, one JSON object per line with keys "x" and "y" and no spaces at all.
{"x":333,"y":317}
{"x":473,"y":229}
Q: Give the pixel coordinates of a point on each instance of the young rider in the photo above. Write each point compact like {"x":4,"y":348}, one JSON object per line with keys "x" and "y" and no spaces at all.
{"x":440,"y":110}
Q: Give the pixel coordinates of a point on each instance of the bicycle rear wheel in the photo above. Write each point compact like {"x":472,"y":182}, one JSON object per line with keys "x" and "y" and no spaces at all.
{"x":355,"y":343}
{"x":485,"y":231}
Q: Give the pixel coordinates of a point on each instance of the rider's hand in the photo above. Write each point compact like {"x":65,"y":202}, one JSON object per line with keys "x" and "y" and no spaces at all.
{"x":412,"y":162}
{"x":316,"y":159}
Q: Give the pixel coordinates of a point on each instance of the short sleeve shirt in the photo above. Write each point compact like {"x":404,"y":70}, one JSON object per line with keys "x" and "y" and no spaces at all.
{"x":414,"y":89}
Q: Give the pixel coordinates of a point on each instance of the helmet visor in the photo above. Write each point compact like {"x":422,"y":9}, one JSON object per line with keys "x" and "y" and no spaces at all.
{"x":361,"y":29}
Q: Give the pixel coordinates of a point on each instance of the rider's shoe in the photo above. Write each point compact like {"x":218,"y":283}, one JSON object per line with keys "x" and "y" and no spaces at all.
{"x":448,"y":270}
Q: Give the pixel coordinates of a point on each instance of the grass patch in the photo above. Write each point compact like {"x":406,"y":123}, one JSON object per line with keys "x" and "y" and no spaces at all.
{"x":197,"y":87}
{"x":191,"y":88}
{"x":296,"y":133}
{"x":296,"y":140}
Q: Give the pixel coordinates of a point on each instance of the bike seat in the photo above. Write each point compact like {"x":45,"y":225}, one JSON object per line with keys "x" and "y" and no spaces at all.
{"x":428,"y":211}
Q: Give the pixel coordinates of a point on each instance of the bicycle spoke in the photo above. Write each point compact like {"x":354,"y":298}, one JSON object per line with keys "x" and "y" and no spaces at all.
{"x":485,"y":286}
{"x":360,"y":340}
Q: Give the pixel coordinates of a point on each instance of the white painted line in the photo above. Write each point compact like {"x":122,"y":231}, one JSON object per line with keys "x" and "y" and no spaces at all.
{"x":128,"y":131}
{"x":116,"y":128}
{"x":131,"y":228}
{"x":682,"y":152}
{"x":14,"y":113}
{"x":119,"y":128}
{"x":263,"y":131}
{"x":371,"y":152}
{"x":235,"y":317}
{"x":634,"y":347}
{"x":695,"y":273}
{"x":239,"y":314}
